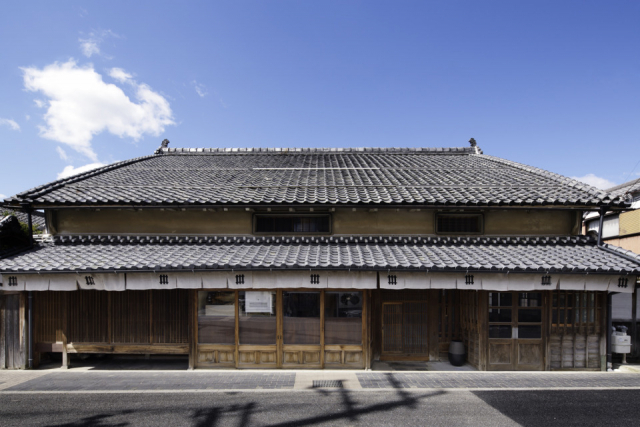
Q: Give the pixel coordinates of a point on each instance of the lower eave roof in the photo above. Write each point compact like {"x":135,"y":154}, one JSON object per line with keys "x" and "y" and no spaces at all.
{"x":575,"y":254}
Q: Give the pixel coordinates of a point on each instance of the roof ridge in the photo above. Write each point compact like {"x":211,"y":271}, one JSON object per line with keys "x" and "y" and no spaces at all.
{"x":602,"y":194}
{"x":378,"y":239}
{"x":46,"y":188}
{"x":309,"y":150}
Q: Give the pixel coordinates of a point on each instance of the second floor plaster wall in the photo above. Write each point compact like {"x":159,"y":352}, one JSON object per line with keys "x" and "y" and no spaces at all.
{"x":345,"y":221}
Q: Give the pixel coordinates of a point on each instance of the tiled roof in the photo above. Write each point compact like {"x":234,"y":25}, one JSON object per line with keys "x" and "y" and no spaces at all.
{"x":577,"y":254}
{"x":37,"y":218}
{"x":393,"y":176}
{"x":622,"y":189}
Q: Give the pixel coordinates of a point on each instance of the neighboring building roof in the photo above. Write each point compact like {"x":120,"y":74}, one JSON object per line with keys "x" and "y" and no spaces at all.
{"x":577,"y":254}
{"x":37,"y":218}
{"x":366,"y":176}
{"x":630,"y":187}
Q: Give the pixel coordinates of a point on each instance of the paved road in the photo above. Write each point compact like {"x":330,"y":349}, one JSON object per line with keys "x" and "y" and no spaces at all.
{"x":400,"y":407}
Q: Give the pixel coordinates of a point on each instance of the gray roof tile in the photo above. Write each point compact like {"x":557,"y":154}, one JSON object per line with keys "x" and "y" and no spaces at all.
{"x":394,"y":176}
{"x":125,"y":253}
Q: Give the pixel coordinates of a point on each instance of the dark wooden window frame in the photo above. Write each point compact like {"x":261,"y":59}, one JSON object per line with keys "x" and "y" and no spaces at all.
{"x":438,"y":215}
{"x":294,"y":233}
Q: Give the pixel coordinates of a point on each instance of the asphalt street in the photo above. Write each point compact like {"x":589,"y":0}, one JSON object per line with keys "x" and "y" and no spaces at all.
{"x":399,"y":407}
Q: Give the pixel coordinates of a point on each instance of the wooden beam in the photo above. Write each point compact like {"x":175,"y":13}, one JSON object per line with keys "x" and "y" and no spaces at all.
{"x":193,"y":328}
{"x":126,"y":348}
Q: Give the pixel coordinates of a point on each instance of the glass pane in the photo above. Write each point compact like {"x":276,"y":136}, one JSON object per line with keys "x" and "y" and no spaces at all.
{"x":529,"y":299}
{"x":499,"y":315}
{"x":257,"y":317}
{"x":343,"y":318}
{"x":216,"y":317}
{"x":529,"y":315}
{"x":301,"y":321}
{"x":499,"y":331}
{"x":500,"y":299}
{"x":554,"y":317}
{"x":529,"y":331}
{"x":561,"y":320}
{"x":555,"y":300}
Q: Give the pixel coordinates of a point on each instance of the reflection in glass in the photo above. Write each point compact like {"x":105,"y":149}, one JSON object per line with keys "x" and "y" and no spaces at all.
{"x":216,"y":317}
{"x":301,"y":317}
{"x":343,"y":318}
{"x":257,"y":317}
{"x":529,"y":331}
{"x":500,"y":299}
{"x":499,"y":315}
{"x":499,"y":331}
{"x":529,"y":315}
{"x":530,"y":299}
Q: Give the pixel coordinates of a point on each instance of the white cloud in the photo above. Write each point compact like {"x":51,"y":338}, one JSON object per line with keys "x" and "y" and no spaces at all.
{"x":81,"y":105}
{"x":91,"y":44}
{"x":70,"y":170}
{"x":62,"y":153}
{"x":3,"y":196}
{"x":40,"y":103}
{"x":27,"y":117}
{"x":201,"y":89}
{"x":120,"y":75}
{"x":89,"y":47}
{"x":11,"y":123}
{"x":596,"y":181}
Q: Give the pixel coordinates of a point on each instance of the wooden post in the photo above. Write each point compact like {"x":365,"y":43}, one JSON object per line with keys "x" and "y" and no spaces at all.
{"x":3,"y":344}
{"x":634,"y":322}
{"x":23,"y":330}
{"x":433,"y":316}
{"x":322,"y":297}
{"x":483,"y":328}
{"x":237,"y":331}
{"x":193,"y":328}
{"x":366,"y":327}
{"x":65,"y":356}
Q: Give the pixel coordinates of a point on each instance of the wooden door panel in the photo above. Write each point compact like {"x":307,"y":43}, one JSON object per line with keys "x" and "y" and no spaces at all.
{"x":500,"y":354}
{"x":392,"y":328}
{"x":530,"y":355}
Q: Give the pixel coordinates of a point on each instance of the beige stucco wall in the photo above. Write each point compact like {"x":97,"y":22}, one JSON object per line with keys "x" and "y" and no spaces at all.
{"x":631,"y":243}
{"x":345,"y":222}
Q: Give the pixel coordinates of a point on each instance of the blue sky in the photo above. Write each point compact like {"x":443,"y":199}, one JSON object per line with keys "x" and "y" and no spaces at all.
{"x":546,"y":83}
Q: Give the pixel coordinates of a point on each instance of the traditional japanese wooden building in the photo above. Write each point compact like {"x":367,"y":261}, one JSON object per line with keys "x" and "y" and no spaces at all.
{"x":318,"y":258}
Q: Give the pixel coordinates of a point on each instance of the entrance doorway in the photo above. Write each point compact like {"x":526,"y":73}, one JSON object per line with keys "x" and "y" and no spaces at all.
{"x":404,"y":328}
{"x":515,"y":331}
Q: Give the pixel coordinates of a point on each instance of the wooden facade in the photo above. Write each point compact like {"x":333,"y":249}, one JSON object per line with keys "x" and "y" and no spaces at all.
{"x":549,"y":330}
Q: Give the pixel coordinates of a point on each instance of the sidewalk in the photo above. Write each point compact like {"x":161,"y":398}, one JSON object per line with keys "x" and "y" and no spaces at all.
{"x":112,"y":381}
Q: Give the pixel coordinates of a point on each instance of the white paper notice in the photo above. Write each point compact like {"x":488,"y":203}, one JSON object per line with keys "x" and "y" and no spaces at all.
{"x":258,"y":302}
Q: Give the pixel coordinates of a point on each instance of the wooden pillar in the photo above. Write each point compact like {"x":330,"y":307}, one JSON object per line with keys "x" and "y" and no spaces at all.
{"x":3,"y":344}
{"x":433,"y":316}
{"x":193,"y":328}
{"x":634,"y":322}
{"x":23,"y":330}
{"x":322,"y":298}
{"x":65,"y":355}
{"x":483,"y":329}
{"x":366,"y":324}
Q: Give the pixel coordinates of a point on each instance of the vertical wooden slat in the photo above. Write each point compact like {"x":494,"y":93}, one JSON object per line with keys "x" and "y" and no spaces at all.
{"x":432,"y":328}
{"x":237,"y":331}
{"x":3,"y":326}
{"x":193,"y":327}
{"x":322,"y":296}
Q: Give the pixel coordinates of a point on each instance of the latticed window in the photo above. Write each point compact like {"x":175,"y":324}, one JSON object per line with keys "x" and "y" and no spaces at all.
{"x":576,"y":312}
{"x":293,"y":224}
{"x":459,"y":223}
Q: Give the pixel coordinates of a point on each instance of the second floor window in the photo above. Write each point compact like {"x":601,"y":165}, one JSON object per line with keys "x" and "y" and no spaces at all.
{"x":459,"y":223}
{"x":292,"y":224}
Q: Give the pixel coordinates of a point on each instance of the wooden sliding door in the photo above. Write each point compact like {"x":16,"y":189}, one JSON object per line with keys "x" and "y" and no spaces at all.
{"x":516,"y":340}
{"x":281,"y":329}
{"x":404,"y":326}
